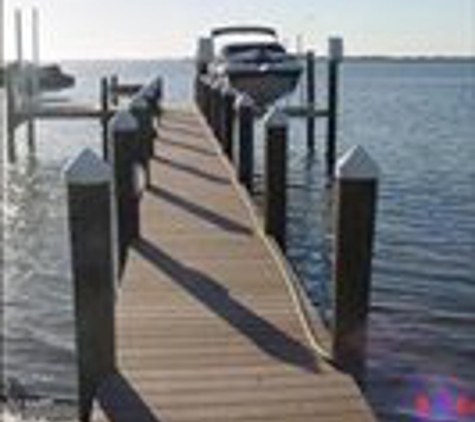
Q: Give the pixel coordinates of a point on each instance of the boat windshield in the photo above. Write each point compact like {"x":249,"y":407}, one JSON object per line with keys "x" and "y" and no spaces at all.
{"x":233,"y":49}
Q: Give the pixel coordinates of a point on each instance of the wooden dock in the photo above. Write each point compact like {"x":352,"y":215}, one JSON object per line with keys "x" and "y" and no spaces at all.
{"x":208,"y":327}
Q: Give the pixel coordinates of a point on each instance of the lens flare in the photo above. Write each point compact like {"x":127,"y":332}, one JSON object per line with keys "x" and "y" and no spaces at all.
{"x":422,"y":405}
{"x":438,"y":399}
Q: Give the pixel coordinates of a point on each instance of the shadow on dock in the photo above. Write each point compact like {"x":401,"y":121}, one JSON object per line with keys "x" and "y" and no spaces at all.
{"x":193,"y":171}
{"x":263,"y":334}
{"x":211,"y":217}
{"x":120,"y":402}
{"x":182,"y":129}
{"x":186,"y":146}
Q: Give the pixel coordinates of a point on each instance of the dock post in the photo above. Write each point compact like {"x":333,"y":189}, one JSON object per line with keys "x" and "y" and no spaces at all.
{"x":142,"y":112}
{"x":245,"y":129}
{"x":213,"y":106}
{"x":153,"y":94}
{"x":198,"y":91}
{"x":156,"y":91}
{"x":124,"y":131}
{"x":104,"y":100}
{"x":89,"y":206}
{"x":275,"y":178}
{"x":227,"y":120}
{"x":114,"y":84}
{"x":310,"y":59}
{"x":30,"y":111}
{"x":216,"y":108}
{"x":207,"y":101}
{"x":356,"y":188}
{"x":11,"y":116}
{"x":204,"y":55}
{"x":335,"y":55}
{"x":202,"y":95}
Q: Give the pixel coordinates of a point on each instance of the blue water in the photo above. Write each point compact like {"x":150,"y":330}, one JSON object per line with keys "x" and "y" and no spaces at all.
{"x":416,"y":119}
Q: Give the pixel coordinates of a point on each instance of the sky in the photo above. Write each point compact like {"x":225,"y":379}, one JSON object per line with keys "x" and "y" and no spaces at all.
{"x":94,"y":29}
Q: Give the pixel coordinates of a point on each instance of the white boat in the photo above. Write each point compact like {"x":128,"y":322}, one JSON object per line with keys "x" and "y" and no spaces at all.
{"x":256,"y":64}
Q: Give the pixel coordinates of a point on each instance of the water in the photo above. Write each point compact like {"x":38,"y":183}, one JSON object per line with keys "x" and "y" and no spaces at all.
{"x":416,"y":119}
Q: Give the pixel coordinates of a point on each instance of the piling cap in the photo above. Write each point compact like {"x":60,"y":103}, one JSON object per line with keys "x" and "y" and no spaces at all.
{"x":153,"y":90}
{"x":139,"y":103}
{"x":147,"y":92}
{"x":216,"y":84}
{"x":88,"y":169}
{"x":243,"y":100}
{"x":205,"y":52}
{"x":335,"y":48}
{"x":276,"y":117}
{"x":226,"y":87}
{"x":123,"y":121}
{"x":356,"y":164}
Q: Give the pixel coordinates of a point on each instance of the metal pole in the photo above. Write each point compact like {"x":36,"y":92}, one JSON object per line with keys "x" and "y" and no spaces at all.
{"x":35,"y":37}
{"x":33,"y":81}
{"x":19,"y":36}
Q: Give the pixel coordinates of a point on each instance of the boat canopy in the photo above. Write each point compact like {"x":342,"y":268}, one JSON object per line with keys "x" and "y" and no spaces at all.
{"x":226,"y":30}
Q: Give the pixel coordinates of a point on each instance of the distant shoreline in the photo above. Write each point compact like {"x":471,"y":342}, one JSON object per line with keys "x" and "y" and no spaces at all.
{"x":348,"y":59}
{"x":402,"y":58}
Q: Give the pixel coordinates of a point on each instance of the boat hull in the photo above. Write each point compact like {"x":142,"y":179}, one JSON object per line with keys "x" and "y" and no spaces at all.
{"x":263,"y":87}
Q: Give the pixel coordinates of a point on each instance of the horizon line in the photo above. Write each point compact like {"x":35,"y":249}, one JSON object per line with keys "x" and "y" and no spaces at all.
{"x":365,"y":56}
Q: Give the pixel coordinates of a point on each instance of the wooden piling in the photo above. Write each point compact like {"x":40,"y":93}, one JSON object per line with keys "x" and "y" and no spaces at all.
{"x":357,"y":179}
{"x":124,"y":132}
{"x":114,"y":84}
{"x":275,"y":178}
{"x":141,"y":110}
{"x":245,"y":131}
{"x":216,"y":108}
{"x":33,"y":82}
{"x":310,"y":60}
{"x":204,"y":55}
{"x":104,"y":101}
{"x":198,"y":91}
{"x":30,"y":112}
{"x":153,"y":94}
{"x":89,"y":203}
{"x":11,"y":117}
{"x":207,"y":100}
{"x":335,"y":55}
{"x":227,"y":120}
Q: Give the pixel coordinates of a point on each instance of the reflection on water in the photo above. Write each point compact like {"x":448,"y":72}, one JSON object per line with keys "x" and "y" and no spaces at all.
{"x":37,"y":323}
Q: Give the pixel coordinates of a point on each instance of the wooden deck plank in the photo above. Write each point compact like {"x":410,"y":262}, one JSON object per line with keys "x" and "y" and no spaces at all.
{"x":206,"y":327}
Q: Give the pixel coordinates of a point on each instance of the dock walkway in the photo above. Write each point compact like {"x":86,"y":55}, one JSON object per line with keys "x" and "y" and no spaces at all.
{"x":206,"y":326}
